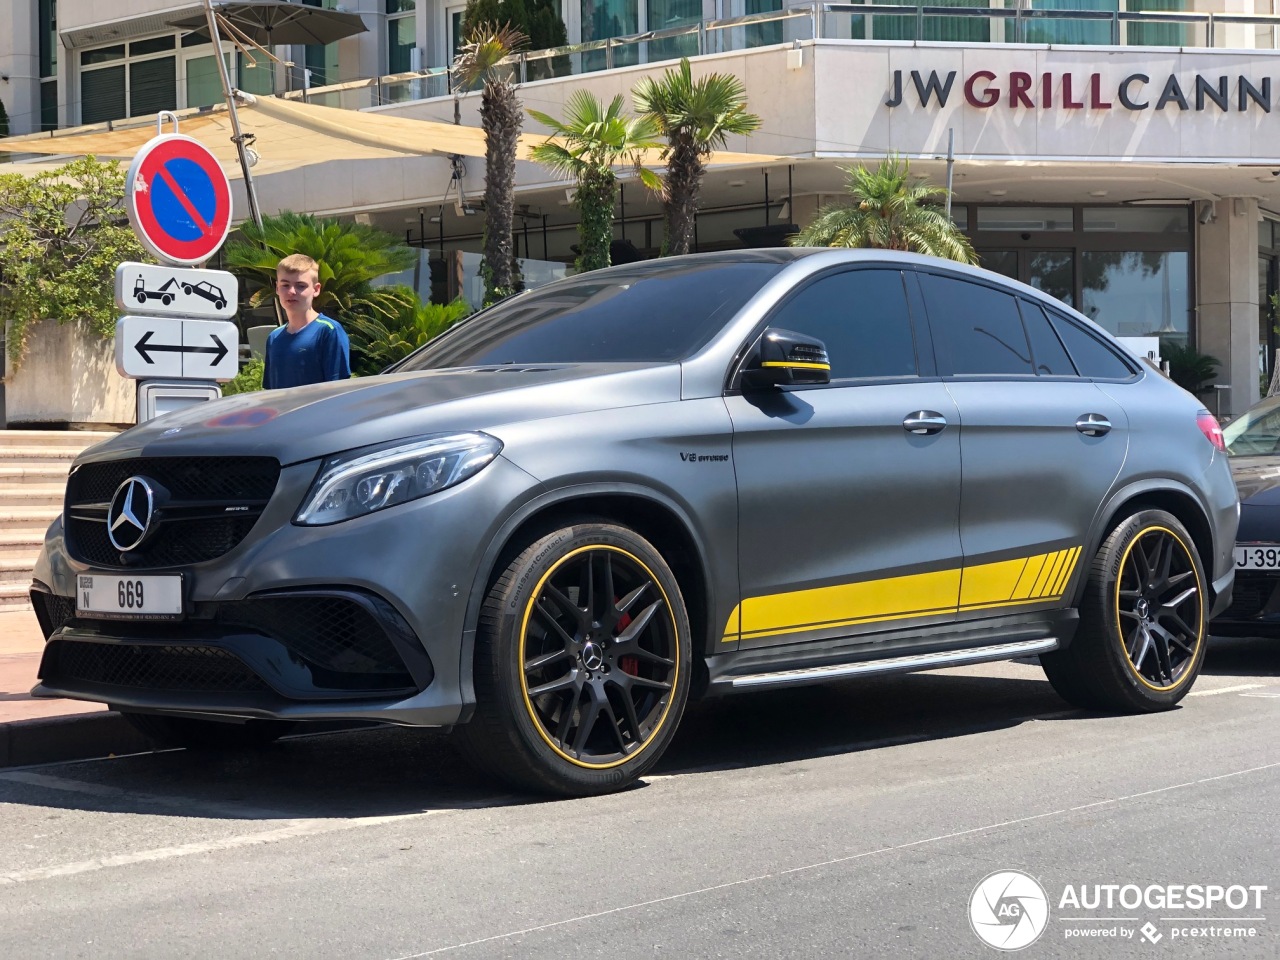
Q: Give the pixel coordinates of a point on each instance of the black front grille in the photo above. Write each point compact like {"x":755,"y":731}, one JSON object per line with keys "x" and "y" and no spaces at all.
{"x":175,"y":543}
{"x":1249,"y":597}
{"x":52,"y":612}
{"x":154,"y":667}
{"x":186,"y":478}
{"x":191,"y":525}
{"x":336,"y":634}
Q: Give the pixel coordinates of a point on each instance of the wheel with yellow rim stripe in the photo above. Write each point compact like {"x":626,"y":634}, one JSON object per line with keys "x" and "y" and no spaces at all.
{"x":582,"y":663}
{"x":1141,"y":639}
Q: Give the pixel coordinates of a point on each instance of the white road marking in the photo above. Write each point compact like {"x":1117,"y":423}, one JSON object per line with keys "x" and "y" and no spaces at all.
{"x":291,"y":829}
{"x":1235,"y":689}
{"x":826,"y":863}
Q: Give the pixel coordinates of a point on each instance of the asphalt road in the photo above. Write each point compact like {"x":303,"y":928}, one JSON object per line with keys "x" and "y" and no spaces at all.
{"x":847,"y":820}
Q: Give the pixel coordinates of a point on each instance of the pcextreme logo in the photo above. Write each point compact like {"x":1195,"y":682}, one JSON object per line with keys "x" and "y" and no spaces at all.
{"x":1009,"y":910}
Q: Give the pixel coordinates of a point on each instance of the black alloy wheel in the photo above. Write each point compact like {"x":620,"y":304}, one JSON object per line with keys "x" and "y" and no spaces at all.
{"x":1141,"y":638}
{"x":583,"y":662}
{"x":1158,"y":600}
{"x":599,"y":652}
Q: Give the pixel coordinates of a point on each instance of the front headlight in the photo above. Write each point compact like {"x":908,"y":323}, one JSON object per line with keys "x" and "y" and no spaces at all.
{"x":362,"y":481}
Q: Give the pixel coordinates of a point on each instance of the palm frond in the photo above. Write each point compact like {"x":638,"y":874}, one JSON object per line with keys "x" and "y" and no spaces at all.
{"x":485,"y":47}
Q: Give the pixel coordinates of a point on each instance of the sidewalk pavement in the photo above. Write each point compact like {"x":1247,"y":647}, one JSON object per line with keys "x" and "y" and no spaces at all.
{"x":48,"y":731}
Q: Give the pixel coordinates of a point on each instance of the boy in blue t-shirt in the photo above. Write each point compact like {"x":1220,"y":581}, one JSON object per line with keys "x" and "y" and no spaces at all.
{"x":310,"y":348}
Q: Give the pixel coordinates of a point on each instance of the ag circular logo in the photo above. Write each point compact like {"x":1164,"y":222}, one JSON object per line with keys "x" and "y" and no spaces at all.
{"x":1008,"y":910}
{"x":129,"y":517}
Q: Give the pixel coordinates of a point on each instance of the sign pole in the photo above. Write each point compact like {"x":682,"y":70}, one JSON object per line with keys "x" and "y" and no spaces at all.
{"x":237,"y":137}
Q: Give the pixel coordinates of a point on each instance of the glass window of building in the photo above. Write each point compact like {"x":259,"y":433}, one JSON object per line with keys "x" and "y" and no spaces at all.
{"x":1026,"y":219}
{"x":321,"y":59}
{"x":1136,"y":293}
{"x":455,"y":15}
{"x":402,"y":34}
{"x":48,"y":27}
{"x":602,"y":19}
{"x":164,"y":72}
{"x":666,"y":15}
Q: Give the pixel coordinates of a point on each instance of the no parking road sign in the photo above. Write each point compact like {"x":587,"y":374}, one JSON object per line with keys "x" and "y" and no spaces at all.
{"x":178,"y":199}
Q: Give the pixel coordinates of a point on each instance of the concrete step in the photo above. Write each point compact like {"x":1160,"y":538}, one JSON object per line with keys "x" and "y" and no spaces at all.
{"x":76,"y":439}
{"x":16,"y":571}
{"x":18,"y":456}
{"x":28,"y":517}
{"x":21,"y":494}
{"x":20,"y":471}
{"x":21,"y":544}
{"x":15,"y":595}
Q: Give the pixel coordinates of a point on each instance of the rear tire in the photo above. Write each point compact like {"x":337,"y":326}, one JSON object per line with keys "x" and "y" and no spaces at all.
{"x":207,"y":734}
{"x":1142,"y":633}
{"x":582,"y":664}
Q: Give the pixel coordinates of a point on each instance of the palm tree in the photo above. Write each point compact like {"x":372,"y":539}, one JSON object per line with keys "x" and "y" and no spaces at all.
{"x":891,"y":212}
{"x":351,"y":256}
{"x":696,"y":117}
{"x":590,"y":142}
{"x":481,"y":61}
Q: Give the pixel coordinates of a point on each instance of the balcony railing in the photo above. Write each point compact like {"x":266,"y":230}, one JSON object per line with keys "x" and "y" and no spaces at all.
{"x":1017,"y":23}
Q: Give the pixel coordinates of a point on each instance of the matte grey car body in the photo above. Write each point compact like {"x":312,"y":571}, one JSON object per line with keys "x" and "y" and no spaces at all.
{"x":896,"y":519}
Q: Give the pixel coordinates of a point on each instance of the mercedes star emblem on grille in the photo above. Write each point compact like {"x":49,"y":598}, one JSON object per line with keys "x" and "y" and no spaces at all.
{"x":130,"y":515}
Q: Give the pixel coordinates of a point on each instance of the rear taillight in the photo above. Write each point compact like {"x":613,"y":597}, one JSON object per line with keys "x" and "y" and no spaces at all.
{"x":1208,"y":425}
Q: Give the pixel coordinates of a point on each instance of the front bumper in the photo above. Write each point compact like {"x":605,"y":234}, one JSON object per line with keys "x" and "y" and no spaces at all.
{"x":405,"y":577}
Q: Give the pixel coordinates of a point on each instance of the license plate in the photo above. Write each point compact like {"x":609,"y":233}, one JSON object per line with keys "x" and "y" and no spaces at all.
{"x":117,"y":597}
{"x":1258,"y":556}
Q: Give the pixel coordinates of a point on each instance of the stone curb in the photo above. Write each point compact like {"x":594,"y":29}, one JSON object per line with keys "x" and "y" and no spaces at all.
{"x":60,"y":739}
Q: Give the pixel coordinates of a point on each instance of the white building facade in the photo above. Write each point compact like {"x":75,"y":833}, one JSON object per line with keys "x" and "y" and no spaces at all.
{"x":1123,"y":157}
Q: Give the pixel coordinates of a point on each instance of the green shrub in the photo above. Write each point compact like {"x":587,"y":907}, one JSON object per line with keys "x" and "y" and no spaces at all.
{"x":247,"y":380}
{"x":1188,"y":368}
{"x":386,"y":341}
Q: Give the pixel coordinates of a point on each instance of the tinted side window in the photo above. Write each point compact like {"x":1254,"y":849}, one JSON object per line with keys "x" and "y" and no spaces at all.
{"x":977,"y":329}
{"x":1092,"y":357}
{"x":1047,"y":352}
{"x":862,"y":317}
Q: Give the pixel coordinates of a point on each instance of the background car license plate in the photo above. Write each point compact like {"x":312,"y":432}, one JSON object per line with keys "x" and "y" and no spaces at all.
{"x":1258,"y":556}
{"x":119,"y":597}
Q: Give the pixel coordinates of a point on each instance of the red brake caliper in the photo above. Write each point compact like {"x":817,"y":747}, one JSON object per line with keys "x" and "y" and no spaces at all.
{"x":629,"y":664}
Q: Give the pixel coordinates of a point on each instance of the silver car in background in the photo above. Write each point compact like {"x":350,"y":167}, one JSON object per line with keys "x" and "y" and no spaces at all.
{"x":557,"y":522}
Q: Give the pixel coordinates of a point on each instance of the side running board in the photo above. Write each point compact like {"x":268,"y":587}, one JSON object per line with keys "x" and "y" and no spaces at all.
{"x":922,"y":661}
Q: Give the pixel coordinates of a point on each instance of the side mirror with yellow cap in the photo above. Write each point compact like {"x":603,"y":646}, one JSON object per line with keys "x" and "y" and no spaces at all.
{"x":784,"y":358}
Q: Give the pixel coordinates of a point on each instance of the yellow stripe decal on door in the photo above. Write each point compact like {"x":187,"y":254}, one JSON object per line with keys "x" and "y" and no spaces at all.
{"x":1004,"y":583}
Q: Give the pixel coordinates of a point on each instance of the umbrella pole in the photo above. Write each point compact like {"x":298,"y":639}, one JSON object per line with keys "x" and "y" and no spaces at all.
{"x":237,"y":137}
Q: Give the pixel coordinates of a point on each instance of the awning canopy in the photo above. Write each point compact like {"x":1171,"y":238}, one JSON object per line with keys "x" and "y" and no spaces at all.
{"x":290,"y":134}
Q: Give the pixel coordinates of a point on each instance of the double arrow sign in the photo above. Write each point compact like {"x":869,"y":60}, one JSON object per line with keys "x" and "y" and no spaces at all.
{"x":172,"y":349}
{"x":146,"y":348}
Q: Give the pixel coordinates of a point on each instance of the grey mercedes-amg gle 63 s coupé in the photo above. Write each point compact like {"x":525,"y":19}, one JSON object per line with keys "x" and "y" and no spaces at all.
{"x":558,"y":521}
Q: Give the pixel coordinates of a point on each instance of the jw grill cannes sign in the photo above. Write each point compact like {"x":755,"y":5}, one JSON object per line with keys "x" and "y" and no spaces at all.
{"x":1077,"y":91}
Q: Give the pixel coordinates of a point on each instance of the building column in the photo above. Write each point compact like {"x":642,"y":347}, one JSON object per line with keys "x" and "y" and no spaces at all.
{"x":20,"y":65}
{"x":1227,"y":299}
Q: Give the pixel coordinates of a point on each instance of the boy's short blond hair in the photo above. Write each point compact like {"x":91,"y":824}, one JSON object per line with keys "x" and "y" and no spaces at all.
{"x":298,"y":263}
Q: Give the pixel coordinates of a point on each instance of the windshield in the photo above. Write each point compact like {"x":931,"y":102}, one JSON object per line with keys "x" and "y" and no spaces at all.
{"x":651,"y":312}
{"x":1256,"y":433}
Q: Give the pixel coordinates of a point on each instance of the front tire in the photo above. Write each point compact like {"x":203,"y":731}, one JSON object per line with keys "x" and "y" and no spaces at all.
{"x":207,"y":734}
{"x":1141,"y":639}
{"x":583,"y":663}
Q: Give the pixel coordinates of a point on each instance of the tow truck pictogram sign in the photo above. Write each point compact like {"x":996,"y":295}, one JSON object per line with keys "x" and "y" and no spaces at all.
{"x":148,"y":290}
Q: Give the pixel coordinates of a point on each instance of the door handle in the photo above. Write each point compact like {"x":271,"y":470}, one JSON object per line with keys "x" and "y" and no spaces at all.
{"x":1093,"y":425}
{"x":924,"y":423}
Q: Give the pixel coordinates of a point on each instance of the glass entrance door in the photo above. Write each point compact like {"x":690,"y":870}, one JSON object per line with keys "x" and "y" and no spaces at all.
{"x":1052,"y":271}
